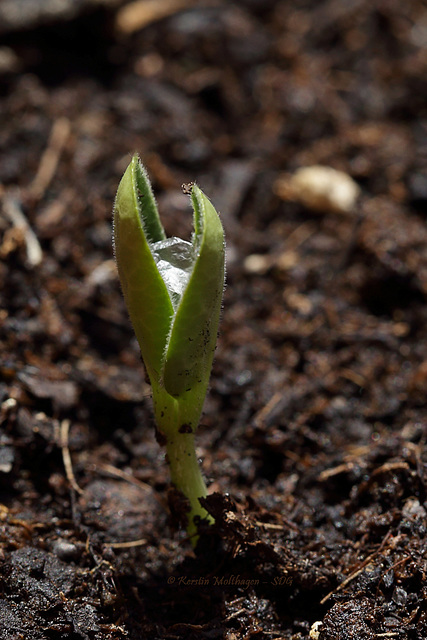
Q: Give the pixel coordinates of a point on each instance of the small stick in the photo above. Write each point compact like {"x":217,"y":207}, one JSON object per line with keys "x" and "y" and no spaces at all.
{"x":277,"y":527}
{"x":127,"y":477}
{"x":49,"y":161}
{"x":12,"y":209}
{"x":118,"y":473}
{"x":358,"y":571}
{"x":137,"y":15}
{"x":264,"y":412}
{"x":235,"y":614}
{"x":66,"y":457}
{"x":126,"y":545}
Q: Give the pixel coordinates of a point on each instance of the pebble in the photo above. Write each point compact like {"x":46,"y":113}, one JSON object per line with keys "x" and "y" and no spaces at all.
{"x":319,"y":188}
{"x":65,"y":550}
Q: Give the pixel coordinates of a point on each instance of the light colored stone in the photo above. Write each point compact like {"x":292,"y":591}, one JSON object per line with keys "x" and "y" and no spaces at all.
{"x":319,"y":188}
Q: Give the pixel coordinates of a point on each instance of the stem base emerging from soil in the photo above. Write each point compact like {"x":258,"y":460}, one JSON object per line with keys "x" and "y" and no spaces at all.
{"x":177,"y":420}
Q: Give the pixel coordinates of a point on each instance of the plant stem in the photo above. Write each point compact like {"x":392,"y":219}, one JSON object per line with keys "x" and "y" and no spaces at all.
{"x":186,"y":476}
{"x":174,"y":417}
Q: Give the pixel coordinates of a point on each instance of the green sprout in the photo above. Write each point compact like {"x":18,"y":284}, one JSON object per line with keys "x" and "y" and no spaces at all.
{"x":173,"y":291}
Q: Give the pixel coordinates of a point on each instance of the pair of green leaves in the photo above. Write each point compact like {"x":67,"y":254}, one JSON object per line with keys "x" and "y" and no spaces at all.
{"x":173,"y":289}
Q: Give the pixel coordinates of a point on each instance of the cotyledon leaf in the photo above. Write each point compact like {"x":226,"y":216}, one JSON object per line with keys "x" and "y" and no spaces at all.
{"x":191,"y":344}
{"x":149,"y":214}
{"x":136,"y":225}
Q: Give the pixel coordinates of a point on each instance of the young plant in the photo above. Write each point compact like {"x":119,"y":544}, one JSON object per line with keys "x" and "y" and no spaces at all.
{"x":173,"y":291}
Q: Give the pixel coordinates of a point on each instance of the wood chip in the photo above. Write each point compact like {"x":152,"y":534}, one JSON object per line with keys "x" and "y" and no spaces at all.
{"x":137,"y":15}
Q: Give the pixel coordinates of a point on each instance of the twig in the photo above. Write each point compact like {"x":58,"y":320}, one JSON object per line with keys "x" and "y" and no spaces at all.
{"x":126,"y":545}
{"x":128,"y":477}
{"x":390,"y":466}
{"x":49,"y":161}
{"x":265,"y":411}
{"x":358,"y":571}
{"x":277,"y":527}
{"x":12,"y":209}
{"x":66,"y":457}
{"x":118,"y":473}
{"x":330,"y":473}
{"x":235,"y":614}
{"x":392,"y":568}
{"x":137,"y":15}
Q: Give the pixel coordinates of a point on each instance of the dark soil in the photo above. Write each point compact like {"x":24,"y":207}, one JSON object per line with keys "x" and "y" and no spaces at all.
{"x":313,"y":439}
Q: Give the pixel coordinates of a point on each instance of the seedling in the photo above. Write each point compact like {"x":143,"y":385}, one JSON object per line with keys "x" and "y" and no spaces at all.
{"x":173,"y":292}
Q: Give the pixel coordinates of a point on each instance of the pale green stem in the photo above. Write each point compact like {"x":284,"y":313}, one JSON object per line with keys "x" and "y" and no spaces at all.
{"x":186,"y":476}
{"x":174,"y":417}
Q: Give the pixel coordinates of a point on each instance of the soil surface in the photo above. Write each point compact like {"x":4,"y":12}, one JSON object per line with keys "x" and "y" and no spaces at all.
{"x":313,"y":440}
